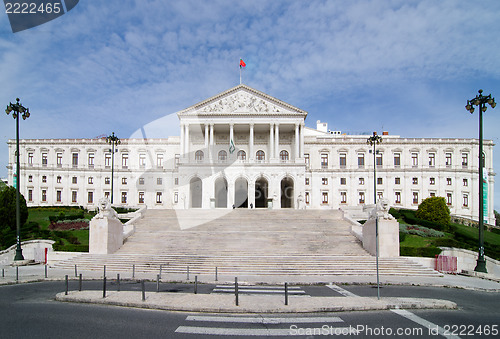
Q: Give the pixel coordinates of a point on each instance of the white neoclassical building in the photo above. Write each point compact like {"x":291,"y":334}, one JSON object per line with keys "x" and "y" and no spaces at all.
{"x":243,"y":148}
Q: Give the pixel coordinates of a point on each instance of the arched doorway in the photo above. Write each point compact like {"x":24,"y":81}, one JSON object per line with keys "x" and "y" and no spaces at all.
{"x":261,"y":191}
{"x":287,"y":193}
{"x":241,"y":193}
{"x":221,"y":193}
{"x":196,"y":190}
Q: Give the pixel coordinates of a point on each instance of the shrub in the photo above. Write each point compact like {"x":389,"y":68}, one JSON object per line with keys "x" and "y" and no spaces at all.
{"x":8,"y":208}
{"x":434,"y":209}
{"x":395,"y":213}
{"x":419,"y":251}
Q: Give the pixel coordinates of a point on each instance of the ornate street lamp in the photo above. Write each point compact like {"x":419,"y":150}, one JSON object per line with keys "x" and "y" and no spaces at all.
{"x":481,"y":101}
{"x":113,"y":141}
{"x":18,"y":109}
{"x":373,"y":141}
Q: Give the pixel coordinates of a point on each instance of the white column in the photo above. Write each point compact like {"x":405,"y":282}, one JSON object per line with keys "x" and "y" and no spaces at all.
{"x":206,"y":136}
{"x":271,"y":141}
{"x":231,"y":137}
{"x":211,"y":148}
{"x":297,"y":141}
{"x":186,"y":135}
{"x":277,"y":142}
{"x":182,"y":140}
{"x":250,"y":145}
{"x":301,"y":140}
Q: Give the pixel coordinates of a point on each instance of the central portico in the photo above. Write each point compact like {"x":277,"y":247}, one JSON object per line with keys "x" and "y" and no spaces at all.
{"x":244,"y":148}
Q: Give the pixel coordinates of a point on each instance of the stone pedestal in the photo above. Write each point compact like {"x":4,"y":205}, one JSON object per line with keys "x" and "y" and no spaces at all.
{"x":106,"y":235}
{"x":388,"y":237}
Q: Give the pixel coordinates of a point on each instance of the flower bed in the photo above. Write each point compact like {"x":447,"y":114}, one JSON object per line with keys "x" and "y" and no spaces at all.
{"x":64,"y":225}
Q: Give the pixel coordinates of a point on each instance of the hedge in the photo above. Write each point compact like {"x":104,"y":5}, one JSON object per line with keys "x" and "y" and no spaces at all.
{"x":429,"y":252}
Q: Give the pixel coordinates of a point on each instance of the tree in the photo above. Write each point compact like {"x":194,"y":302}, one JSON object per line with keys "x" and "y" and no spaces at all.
{"x":8,"y":208}
{"x":434,"y":209}
{"x":497,"y":218}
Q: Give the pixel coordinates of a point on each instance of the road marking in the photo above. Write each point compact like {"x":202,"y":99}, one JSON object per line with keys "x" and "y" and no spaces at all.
{"x":248,"y":331}
{"x":341,"y":291}
{"x":423,"y":322}
{"x":265,"y":320}
{"x":292,"y":290}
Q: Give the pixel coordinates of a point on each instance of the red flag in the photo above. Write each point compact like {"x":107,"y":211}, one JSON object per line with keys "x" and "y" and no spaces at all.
{"x":242,"y":63}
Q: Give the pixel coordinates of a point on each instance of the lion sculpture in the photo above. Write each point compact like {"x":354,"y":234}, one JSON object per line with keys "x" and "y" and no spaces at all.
{"x":381,"y":210}
{"x":105,"y":210}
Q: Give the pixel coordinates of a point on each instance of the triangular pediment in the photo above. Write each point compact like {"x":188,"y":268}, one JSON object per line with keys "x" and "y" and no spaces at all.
{"x":243,"y":100}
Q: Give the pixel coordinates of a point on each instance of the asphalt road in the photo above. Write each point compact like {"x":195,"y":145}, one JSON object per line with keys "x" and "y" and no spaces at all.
{"x":29,"y":311}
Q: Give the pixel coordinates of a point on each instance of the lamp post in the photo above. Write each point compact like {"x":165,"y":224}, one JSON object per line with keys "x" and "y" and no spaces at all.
{"x":373,"y":141}
{"x":481,"y":101}
{"x":18,"y":109}
{"x":113,"y":141}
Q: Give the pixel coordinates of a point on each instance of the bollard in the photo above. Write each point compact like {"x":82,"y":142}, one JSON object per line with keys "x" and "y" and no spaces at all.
{"x":143,"y":288}
{"x":80,"y":283}
{"x":118,"y":282}
{"x":67,"y":285}
{"x":3,"y":273}
{"x":46,"y":271}
{"x":160,"y":271}
{"x":236,"y":290}
{"x":188,"y":273}
{"x":215,"y":273}
{"x":17,"y":274}
{"x":104,"y":271}
{"x":195,"y":284}
{"x":76,"y":272}
{"x":104,"y":287}
{"x":157,"y":283}
{"x":286,"y":293}
{"x":133,"y":271}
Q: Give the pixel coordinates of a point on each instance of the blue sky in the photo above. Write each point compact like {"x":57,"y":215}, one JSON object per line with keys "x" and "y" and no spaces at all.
{"x":407,"y":67}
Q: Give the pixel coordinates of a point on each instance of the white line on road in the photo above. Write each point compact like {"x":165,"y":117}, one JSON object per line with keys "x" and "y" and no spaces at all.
{"x":342,"y":291}
{"x":423,"y":322}
{"x":215,"y":290}
{"x":265,"y":320}
{"x":249,"y":331}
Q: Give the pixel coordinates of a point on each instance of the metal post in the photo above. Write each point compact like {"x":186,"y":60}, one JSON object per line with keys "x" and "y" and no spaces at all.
{"x":143,"y":288}
{"x":188,"y":273}
{"x":118,"y":282}
{"x":67,"y":285}
{"x":80,"y":283}
{"x":160,"y":270}
{"x":76,"y":272}
{"x":215,"y":273}
{"x":104,"y":287}
{"x":17,"y":274}
{"x":104,"y":271}
{"x":19,"y":252}
{"x":157,"y":283}
{"x":133,"y":271}
{"x":236,"y":290}
{"x":374,"y":140}
{"x":3,"y":273}
{"x":286,"y":293}
{"x":46,"y":271}
{"x":195,"y":284}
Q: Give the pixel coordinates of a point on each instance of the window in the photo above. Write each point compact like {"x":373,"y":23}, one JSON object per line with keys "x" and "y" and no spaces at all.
{"x":124,"y":181}
{"x":397,"y":181}
{"x":343,"y":160}
{"x":432,"y":159}
{"x":59,"y":159}
{"x":30,"y":178}
{"x":107,"y":160}
{"x":177,"y":160}
{"x":324,"y":160}
{"x":361,"y":181}
{"x":74,"y":196}
{"x":448,"y":159}
{"x":448,"y":181}
{"x":324,"y":197}
{"x":124,"y":160}
{"x":159,"y":160}
{"x":308,"y":198}
{"x":59,"y":196}
{"x":158,"y":197}
{"x":466,"y":182}
{"x":107,"y":181}
{"x":44,"y":195}
{"x":343,"y":197}
{"x":159,"y":181}
{"x":361,"y":160}
{"x":222,"y":156}
{"x":90,"y":197}
{"x":415,"y":198}
{"x":343,"y":181}
{"x":176,"y":181}
{"x":432,"y":194}
{"x":378,"y":159}
{"x":198,"y":156}
{"x":91,"y":180}
{"x":260,"y":156}
{"x":379,"y":181}
{"x":30,"y":159}
{"x":448,"y":198}
{"x":74,"y":180}
{"x":44,"y":159}
{"x":91,"y":160}
{"x":176,"y":197}
{"x":241,"y":155}
{"x":465,"y":199}
{"x":361,"y":197}
{"x":432,"y":181}
{"x":415,"y":181}
{"x":142,"y":160}
{"x":106,"y":195}
{"x":74,"y":160}
{"x":380,"y":195}
{"x":484,"y":160}
{"x":398,"y":197}
{"x":124,"y":197}
{"x":397,"y":159}
{"x":414,"y":159}
{"x":324,"y":181}
{"x":30,"y":195}
{"x":284,"y":156}
{"x":307,"y":160}
{"x":307,"y":181}
{"x":141,"y":181}
{"x":465,"y":160}
{"x":44,"y":178}
{"x":59,"y":179}
{"x":141,"y":197}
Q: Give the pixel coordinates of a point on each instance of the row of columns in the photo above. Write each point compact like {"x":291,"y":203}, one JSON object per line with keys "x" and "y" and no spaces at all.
{"x":274,"y":140}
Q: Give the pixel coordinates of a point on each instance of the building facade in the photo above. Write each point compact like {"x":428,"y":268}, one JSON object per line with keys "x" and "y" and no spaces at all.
{"x":243,"y":148}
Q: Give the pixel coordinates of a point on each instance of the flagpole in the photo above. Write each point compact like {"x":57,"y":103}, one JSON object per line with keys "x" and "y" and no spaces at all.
{"x":240,"y":73}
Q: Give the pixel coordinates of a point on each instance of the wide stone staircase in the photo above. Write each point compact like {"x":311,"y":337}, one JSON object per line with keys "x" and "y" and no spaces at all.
{"x":245,"y":242}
